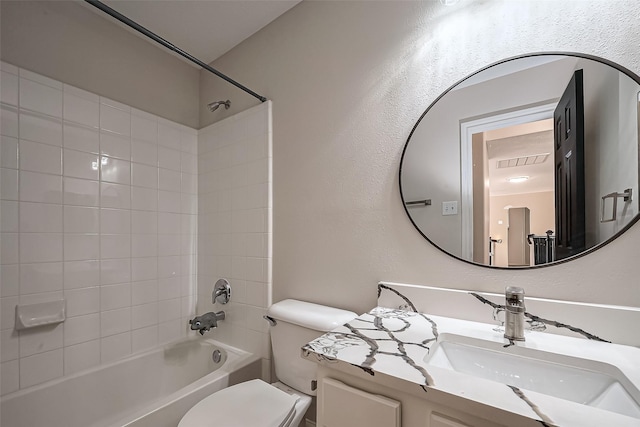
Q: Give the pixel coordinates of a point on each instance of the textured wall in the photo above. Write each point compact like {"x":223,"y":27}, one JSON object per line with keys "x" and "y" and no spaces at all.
{"x":68,"y":41}
{"x":348,"y":80}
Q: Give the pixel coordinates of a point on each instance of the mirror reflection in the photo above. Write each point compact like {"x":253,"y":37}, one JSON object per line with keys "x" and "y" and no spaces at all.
{"x":528,"y":162}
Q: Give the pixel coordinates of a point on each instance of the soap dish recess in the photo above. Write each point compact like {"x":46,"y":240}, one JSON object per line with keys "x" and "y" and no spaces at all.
{"x":40,"y":314}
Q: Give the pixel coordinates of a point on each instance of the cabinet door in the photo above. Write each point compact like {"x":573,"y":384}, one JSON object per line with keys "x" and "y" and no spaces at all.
{"x":437,"y":420}
{"x":340,"y":405}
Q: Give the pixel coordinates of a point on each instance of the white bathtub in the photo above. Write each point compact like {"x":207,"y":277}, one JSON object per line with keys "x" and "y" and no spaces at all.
{"x":153,"y":389}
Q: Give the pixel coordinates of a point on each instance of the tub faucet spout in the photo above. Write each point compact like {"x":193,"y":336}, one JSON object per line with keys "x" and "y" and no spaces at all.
{"x":206,"y":321}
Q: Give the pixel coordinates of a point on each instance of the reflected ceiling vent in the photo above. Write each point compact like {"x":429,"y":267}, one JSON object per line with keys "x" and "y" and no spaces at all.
{"x":535,"y":159}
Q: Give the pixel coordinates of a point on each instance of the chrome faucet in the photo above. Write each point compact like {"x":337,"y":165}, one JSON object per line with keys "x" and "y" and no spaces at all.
{"x":514,"y":313}
{"x":206,"y":321}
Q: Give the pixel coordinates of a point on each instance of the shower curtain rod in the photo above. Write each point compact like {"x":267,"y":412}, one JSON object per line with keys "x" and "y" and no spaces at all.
{"x":120,"y":17}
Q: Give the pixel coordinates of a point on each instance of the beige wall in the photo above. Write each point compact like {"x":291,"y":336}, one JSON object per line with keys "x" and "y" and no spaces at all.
{"x":68,"y":42}
{"x":348,"y":80}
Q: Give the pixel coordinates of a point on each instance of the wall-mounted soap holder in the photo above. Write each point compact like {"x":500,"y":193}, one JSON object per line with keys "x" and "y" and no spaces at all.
{"x":40,"y":314}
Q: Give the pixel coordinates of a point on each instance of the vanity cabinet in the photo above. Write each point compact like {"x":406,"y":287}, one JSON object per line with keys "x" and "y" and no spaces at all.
{"x":354,"y":400}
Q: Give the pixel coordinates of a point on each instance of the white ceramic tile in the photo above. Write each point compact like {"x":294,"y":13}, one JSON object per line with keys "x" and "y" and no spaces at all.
{"x":115,"y":120}
{"x":189,"y":183}
{"x":144,"y":222}
{"x":39,"y":78}
{"x":9,"y":377}
{"x":7,"y":314}
{"x":189,"y":163}
{"x":42,"y":158}
{"x":238,"y":175}
{"x":114,"y":271}
{"x":72,"y":90}
{"x":9,"y":121}
{"x":9,"y":68}
{"x":256,"y":220}
{"x":37,"y":187}
{"x":40,"y":368}
{"x":115,"y":246}
{"x":38,"y":97}
{"x":10,"y":217}
{"x":9,"y":280}
{"x":40,"y":218}
{"x":189,"y":141}
{"x":115,"y":321}
{"x":169,"y":310}
{"x":257,"y":294}
{"x":115,"y":347}
{"x":144,"y":128}
{"x":115,"y":221}
{"x":81,"y":165}
{"x":9,"y":152}
{"x":144,"y":175}
{"x":144,"y":245}
{"x":144,"y":269}
{"x":144,"y":152}
{"x":239,"y":199}
{"x":34,"y":127}
{"x":144,"y":315}
{"x":115,"y":195}
{"x":171,"y":331}
{"x":169,"y":180}
{"x":80,"y":192}
{"x":9,"y":345}
{"x":80,"y":138}
{"x":169,"y":223}
{"x":115,"y":104}
{"x":114,"y":145}
{"x":81,"y":356}
{"x":81,"y":329}
{"x":41,"y":277}
{"x":144,"y":199}
{"x":81,"y":246}
{"x":39,"y":340}
{"x":83,"y":301}
{"x":80,"y":219}
{"x":9,"y":88}
{"x":40,"y":247}
{"x":81,"y":274}
{"x":168,"y":244}
{"x":169,"y":201}
{"x":9,"y":184}
{"x":81,"y":110}
{"x":169,"y":266}
{"x":168,"y":158}
{"x":168,"y":135}
{"x":168,"y":288}
{"x":144,"y":292}
{"x":115,"y":170}
{"x":144,"y":338}
{"x":257,"y":245}
{"x":115,"y":296}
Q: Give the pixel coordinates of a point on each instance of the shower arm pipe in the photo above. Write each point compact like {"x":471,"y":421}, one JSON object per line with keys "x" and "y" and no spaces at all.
{"x":120,"y":17}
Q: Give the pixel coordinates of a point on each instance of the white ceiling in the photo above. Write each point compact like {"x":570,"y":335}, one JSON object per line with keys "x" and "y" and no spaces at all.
{"x":206,"y":29}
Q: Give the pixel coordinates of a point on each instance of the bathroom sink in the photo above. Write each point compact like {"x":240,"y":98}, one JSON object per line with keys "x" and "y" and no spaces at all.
{"x":579,"y":380}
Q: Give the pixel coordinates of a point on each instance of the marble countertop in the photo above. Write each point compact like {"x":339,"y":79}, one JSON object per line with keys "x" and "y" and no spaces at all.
{"x":395,"y":343}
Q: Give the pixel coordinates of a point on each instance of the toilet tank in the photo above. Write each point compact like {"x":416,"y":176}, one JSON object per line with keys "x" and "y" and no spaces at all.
{"x":297,"y":323}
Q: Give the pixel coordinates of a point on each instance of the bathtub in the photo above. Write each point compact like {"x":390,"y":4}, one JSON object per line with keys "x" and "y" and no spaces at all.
{"x":152,"y":389}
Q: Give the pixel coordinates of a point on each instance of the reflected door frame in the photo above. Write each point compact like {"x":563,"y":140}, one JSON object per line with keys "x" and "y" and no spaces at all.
{"x":467,"y":129}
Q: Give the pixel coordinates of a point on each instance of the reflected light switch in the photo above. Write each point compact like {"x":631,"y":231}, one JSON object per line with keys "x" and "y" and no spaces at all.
{"x":450,"y":208}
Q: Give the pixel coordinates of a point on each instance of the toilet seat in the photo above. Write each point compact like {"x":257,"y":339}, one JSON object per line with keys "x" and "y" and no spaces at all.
{"x":251,"y":403}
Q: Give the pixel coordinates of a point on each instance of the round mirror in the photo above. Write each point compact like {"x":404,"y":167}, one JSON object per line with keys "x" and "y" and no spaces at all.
{"x":527,"y":162}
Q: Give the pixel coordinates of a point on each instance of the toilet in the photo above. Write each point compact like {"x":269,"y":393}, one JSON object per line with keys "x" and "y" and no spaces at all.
{"x":282,"y":404}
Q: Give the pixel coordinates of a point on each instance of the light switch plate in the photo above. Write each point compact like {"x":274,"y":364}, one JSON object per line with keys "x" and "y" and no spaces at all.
{"x":450,"y":208}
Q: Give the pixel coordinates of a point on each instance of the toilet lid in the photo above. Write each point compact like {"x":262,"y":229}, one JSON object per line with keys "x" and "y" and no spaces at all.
{"x":252,"y":403}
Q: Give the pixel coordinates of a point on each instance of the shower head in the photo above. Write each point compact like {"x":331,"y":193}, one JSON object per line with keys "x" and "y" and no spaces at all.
{"x":215,"y":105}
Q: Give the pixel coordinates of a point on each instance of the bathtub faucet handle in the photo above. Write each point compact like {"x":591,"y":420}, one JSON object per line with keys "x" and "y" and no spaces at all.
{"x":206,"y":321}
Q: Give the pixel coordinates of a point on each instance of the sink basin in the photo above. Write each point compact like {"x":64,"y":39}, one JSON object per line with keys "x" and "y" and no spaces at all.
{"x":583,"y":381}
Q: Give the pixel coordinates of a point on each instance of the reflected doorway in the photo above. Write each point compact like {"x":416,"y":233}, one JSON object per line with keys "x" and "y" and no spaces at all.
{"x":513,"y":175}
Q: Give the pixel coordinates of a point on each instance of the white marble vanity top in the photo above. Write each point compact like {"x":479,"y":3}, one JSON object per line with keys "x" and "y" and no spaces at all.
{"x":395,"y":343}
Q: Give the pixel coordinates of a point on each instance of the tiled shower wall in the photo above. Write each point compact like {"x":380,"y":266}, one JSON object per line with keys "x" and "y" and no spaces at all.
{"x":234,"y":226}
{"x":99,"y":207}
